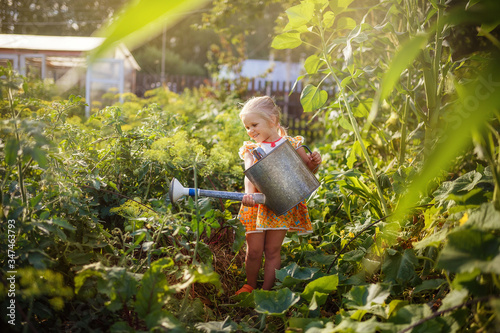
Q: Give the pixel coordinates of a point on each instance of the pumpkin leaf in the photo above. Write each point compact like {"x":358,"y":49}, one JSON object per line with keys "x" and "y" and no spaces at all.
{"x":274,"y":302}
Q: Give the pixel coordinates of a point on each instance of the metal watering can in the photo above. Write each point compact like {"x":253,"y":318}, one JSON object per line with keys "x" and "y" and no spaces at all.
{"x":281,"y":176}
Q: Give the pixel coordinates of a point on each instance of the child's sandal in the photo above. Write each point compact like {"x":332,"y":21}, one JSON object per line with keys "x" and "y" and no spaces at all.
{"x":245,"y":289}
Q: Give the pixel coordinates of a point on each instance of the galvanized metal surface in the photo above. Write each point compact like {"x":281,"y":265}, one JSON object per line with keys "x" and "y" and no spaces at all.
{"x":283,"y":177}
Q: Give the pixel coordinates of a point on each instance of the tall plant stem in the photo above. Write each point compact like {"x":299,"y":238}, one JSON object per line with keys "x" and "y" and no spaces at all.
{"x":355,"y":126}
{"x":19,"y":161}
{"x":404,"y":123}
{"x":197,"y":211}
{"x":432,"y":87}
{"x":195,"y":252}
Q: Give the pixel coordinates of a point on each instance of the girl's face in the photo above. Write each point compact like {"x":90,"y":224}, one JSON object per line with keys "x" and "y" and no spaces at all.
{"x":259,"y":128}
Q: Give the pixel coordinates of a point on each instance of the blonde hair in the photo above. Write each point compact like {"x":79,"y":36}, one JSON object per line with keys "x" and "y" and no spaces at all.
{"x":265,"y":107}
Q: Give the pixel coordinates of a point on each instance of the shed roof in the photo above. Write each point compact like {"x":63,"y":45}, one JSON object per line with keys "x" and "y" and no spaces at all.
{"x":49,"y":43}
{"x":59,"y":45}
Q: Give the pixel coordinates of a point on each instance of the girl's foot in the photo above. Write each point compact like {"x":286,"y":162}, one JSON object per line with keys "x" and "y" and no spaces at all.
{"x":245,"y":289}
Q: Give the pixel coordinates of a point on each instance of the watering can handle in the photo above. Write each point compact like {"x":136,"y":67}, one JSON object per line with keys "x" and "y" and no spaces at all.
{"x":310,"y":152}
{"x":306,"y":147}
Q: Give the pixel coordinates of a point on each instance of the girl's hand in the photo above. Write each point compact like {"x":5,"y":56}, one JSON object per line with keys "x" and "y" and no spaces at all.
{"x":315,"y":158}
{"x":248,"y":200}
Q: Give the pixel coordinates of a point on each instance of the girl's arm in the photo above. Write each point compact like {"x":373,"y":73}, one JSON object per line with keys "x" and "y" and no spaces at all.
{"x":312,"y":160}
{"x":249,"y":186}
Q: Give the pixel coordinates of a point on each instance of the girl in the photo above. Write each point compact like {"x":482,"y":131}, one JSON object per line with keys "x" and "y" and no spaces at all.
{"x":264,"y":230}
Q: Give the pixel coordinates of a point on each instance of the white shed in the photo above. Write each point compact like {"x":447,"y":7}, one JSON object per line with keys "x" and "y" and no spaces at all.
{"x":63,"y":59}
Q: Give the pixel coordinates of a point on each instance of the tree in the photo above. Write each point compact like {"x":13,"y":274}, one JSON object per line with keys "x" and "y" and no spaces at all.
{"x":56,"y":17}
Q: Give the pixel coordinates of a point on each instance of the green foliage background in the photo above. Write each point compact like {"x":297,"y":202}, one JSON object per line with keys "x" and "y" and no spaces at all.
{"x":406,"y":222}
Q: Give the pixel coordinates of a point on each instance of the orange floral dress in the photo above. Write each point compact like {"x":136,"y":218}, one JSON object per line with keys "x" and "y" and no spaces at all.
{"x":259,"y":217}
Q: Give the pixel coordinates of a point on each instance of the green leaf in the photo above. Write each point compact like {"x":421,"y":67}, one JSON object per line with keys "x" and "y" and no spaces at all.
{"x":464,"y":183}
{"x":454,"y":298}
{"x":367,"y":326}
{"x":325,"y":285}
{"x":296,"y":272}
{"x":400,"y":268}
{"x":354,"y":256}
{"x":119,"y":285}
{"x":410,"y":314}
{"x":40,"y":156}
{"x":394,"y":306}
{"x":345,"y":23}
{"x":433,"y":284}
{"x":304,"y":323}
{"x":364,"y":298}
{"x":79,"y":258}
{"x":387,"y":234}
{"x":121,"y":327}
{"x":142,"y":19}
{"x":317,"y":300}
{"x":313,"y":98}
{"x":299,"y":15}
{"x":403,"y":58}
{"x":205,"y":274}
{"x":434,"y":239}
{"x":11,"y":151}
{"x":274,"y":302}
{"x":218,"y":326}
{"x":154,"y":290}
{"x":345,"y":124}
{"x":363,"y":109}
{"x":486,"y":217}
{"x":468,"y":249}
{"x":328,"y":19}
{"x":163,"y":321}
{"x":287,"y":40}
{"x":63,"y":224}
{"x":84,"y":274}
{"x":338,"y":6}
{"x":312,"y":64}
{"x":36,"y":200}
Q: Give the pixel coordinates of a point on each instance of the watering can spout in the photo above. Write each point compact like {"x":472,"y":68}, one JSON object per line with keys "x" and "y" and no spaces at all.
{"x":177,"y":191}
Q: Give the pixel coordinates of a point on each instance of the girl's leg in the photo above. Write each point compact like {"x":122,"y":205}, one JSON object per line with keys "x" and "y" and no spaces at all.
{"x":272,"y":253}
{"x":253,"y":258}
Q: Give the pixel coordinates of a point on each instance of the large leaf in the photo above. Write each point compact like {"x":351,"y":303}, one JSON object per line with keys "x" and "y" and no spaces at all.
{"x":411,"y":314}
{"x":463,"y":183}
{"x":218,"y":326}
{"x":141,"y":19}
{"x":11,"y":151}
{"x":468,"y":249}
{"x":454,"y":298}
{"x":274,"y":302}
{"x":299,"y":15}
{"x":339,"y":6}
{"x":365,"y":297}
{"x":325,"y":285}
{"x":287,"y":40}
{"x":433,"y":284}
{"x":400,"y":268}
{"x":486,"y":217}
{"x":293,"y":274}
{"x":312,"y":98}
{"x":367,"y":326}
{"x":154,"y":290}
{"x":312,"y":64}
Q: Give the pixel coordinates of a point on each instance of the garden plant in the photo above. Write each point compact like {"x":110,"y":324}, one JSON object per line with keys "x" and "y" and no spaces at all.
{"x":406,"y":220}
